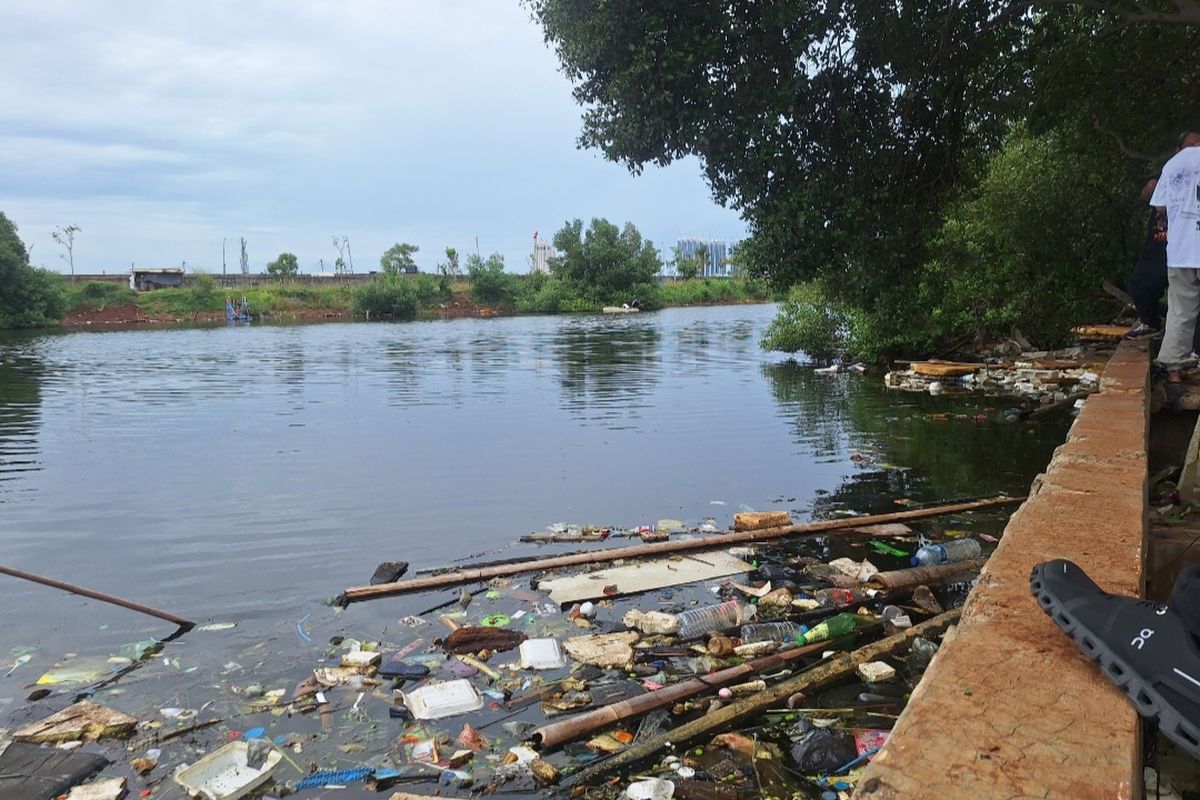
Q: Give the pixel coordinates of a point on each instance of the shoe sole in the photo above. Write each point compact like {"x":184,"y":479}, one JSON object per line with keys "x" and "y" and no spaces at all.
{"x":1149,"y":703}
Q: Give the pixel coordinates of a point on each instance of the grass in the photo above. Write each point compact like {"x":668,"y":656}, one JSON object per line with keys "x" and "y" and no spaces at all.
{"x":98,"y":295}
{"x":275,"y":299}
{"x":421,"y":295}
{"x":713,"y":290}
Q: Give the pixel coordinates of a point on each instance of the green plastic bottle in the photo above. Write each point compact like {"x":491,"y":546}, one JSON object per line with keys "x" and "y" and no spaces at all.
{"x":831,"y":628}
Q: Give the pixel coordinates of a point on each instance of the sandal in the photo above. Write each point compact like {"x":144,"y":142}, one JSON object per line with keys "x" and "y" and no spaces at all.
{"x":1144,"y":648}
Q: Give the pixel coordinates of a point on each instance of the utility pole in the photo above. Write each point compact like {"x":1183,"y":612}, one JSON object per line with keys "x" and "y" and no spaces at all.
{"x":222,"y":255}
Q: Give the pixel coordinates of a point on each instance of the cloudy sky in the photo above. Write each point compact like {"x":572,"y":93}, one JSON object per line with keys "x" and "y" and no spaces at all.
{"x":161,"y":128}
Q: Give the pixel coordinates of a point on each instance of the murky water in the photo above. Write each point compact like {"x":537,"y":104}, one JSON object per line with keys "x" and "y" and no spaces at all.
{"x":247,"y":474}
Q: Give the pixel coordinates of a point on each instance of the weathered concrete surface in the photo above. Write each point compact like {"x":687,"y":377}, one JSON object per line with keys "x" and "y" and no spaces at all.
{"x":1010,"y":708}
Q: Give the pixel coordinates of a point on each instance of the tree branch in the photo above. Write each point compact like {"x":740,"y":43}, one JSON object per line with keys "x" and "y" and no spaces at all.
{"x":1187,"y":12}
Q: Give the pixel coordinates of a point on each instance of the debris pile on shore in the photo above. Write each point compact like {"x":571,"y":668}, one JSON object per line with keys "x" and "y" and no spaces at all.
{"x":771,"y":660}
{"x":1041,"y":378}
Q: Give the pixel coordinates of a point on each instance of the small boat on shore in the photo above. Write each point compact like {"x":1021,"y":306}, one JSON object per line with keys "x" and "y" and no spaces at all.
{"x":620,"y":309}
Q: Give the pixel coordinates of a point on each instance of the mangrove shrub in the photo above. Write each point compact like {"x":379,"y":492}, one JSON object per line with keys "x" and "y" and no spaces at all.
{"x":29,"y":297}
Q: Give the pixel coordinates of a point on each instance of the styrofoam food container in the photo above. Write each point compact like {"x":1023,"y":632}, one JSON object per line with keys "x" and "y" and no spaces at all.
{"x":224,"y":774}
{"x":650,"y":789}
{"x":542,"y":654}
{"x":443,"y":699}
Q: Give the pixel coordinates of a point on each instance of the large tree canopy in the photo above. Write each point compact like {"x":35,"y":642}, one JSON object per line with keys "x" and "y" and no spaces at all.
{"x":843,"y":131}
{"x":611,"y":263}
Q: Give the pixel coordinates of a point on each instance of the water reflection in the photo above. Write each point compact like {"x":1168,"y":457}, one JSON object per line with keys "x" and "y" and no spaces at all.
{"x":607,"y":369}
{"x":20,"y":415}
{"x":908,"y":446}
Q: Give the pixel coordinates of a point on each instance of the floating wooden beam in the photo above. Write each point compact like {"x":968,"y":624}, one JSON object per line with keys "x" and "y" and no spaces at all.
{"x":101,"y":596}
{"x":470,"y":575}
{"x":826,"y":672}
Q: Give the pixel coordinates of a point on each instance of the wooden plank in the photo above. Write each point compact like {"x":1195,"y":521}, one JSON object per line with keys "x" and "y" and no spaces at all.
{"x":756,"y":520}
{"x":1100,"y":331}
{"x":85,"y":720}
{"x":642,"y":577}
{"x":945,"y":369}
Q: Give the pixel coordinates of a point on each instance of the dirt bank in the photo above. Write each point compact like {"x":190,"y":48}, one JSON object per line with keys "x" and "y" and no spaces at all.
{"x":124,"y":314}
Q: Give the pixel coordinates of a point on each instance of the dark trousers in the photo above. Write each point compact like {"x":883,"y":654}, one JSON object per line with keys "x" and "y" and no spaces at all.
{"x":1148,"y":284}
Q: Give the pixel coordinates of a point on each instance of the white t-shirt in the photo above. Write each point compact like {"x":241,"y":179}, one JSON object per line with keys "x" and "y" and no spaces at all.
{"x":1179,"y":190}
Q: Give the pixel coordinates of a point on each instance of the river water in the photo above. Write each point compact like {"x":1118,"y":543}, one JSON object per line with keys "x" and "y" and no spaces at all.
{"x":247,"y":474}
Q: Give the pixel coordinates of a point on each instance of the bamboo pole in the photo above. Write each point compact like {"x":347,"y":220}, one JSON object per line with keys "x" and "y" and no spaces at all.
{"x":820,"y":675}
{"x":470,"y":575}
{"x":897,"y":579}
{"x":550,"y":736}
{"x":92,"y":593}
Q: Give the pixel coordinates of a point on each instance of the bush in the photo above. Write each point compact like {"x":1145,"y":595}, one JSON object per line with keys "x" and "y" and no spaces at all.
{"x":808,"y":322}
{"x":540,"y":294}
{"x":1029,"y":246}
{"x":38,"y":299}
{"x":489,"y":282}
{"x":100,"y":294}
{"x":29,"y":297}
{"x":205,"y":295}
{"x":397,"y":296}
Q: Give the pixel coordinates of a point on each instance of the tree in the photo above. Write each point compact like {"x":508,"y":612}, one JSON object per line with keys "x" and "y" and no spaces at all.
{"x":398,"y":259}
{"x":846,"y":133}
{"x":605,"y":260}
{"x":287,"y":264}
{"x":29,"y":298}
{"x":65,"y":237}
{"x":686,"y":267}
{"x":489,"y":282}
{"x":450,"y":267}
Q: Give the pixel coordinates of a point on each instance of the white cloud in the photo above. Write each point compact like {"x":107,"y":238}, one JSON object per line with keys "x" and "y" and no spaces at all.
{"x":160,"y":127}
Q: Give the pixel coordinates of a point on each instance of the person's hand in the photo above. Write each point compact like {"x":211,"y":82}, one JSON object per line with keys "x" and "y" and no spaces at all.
{"x":1148,"y":189}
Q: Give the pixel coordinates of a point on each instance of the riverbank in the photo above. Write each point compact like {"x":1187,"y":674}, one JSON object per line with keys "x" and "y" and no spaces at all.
{"x":106,"y":304}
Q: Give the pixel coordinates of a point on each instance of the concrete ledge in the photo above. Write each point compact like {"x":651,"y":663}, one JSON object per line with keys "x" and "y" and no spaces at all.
{"x":1009,"y":708}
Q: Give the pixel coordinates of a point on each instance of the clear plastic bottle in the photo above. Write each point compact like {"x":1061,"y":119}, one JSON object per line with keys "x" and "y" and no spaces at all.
{"x":832,"y":628}
{"x":771,"y":632}
{"x":699,"y":621}
{"x":838,"y":598}
{"x":949,"y":552}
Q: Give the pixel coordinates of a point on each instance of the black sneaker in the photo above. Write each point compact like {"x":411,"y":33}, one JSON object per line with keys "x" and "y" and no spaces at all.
{"x":1145,"y":648}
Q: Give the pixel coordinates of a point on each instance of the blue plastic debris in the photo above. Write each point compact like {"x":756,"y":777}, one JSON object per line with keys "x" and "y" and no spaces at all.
{"x":334,"y":776}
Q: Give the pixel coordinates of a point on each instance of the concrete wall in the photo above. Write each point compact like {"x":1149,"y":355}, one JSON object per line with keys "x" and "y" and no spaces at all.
{"x":1010,"y":708}
{"x":240,"y":280}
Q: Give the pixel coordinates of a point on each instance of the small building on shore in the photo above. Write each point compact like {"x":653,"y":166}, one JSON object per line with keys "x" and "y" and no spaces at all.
{"x":145,"y":280}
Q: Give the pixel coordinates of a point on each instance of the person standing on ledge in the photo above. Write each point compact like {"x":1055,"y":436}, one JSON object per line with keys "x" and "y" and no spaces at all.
{"x":1178,"y":192}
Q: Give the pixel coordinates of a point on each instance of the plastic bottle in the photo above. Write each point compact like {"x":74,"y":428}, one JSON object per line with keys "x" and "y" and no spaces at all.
{"x":839,"y":598}
{"x":771,"y":632}
{"x":699,"y":621}
{"x":947,"y":552}
{"x":832,"y":628}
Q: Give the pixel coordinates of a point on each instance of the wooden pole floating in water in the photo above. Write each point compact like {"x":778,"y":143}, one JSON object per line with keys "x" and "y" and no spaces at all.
{"x":555,"y":734}
{"x":823,"y":674}
{"x":101,"y":596}
{"x":470,"y":575}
